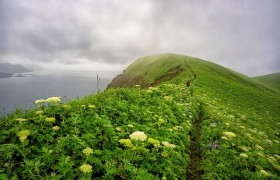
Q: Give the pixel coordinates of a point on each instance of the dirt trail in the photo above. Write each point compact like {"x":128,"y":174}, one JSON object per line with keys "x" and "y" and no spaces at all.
{"x":193,"y":171}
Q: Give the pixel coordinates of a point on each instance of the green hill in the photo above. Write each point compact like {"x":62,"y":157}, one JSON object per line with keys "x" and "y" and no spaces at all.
{"x":224,"y":126}
{"x":270,"y":80}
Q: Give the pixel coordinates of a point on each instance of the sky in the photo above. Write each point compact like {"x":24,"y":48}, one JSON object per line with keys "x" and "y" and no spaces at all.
{"x":108,"y":35}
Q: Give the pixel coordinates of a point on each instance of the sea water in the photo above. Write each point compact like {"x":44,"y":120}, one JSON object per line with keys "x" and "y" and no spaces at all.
{"x":21,"y":92}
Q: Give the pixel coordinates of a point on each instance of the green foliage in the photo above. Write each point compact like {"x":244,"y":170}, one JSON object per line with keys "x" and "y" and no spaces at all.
{"x":88,"y":131}
{"x":270,"y":80}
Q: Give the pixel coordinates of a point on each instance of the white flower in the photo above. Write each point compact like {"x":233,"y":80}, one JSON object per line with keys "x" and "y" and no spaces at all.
{"x":258,"y":147}
{"x":53,"y":99}
{"x":87,"y":151}
{"x":130,"y":125}
{"x":277,"y":156}
{"x":21,"y":119}
{"x":229,"y":135}
{"x":86,"y":168}
{"x":138,"y":135}
{"x":245,"y":149}
{"x":91,"y":106}
{"x":40,"y":101}
{"x":244,"y":155}
{"x":167,"y":144}
{"x":56,"y":128}
{"x":118,"y":129}
{"x":263,"y":172}
{"x":268,"y":141}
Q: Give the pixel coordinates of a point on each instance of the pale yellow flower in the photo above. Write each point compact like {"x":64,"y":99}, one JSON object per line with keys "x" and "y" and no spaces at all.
{"x":126,"y":142}
{"x":153,"y":141}
{"x":272,"y":159}
{"x":177,"y":128}
{"x":66,"y":106}
{"x":277,"y":156}
{"x":53,"y":99}
{"x":164,"y":154}
{"x":258,"y":147}
{"x":224,"y":138}
{"x":268,"y":141}
{"x":40,"y":101}
{"x":23,"y":135}
{"x":39,"y":112}
{"x":244,"y":155}
{"x":87,"y":151}
{"x":138,"y":135}
{"x":90,"y":106}
{"x":118,"y":129}
{"x":55,"y":128}
{"x":130,"y":125}
{"x":264,"y":173}
{"x":161,"y":121}
{"x":167,"y":98}
{"x":22,"y":138}
{"x":167,"y":144}
{"x":229,"y":135}
{"x":245,"y":149}
{"x":86,"y":168}
{"x":21,"y":119}
{"x":50,"y":119}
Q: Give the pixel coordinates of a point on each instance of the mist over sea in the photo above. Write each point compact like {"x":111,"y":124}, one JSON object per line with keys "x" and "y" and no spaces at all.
{"x":21,"y":92}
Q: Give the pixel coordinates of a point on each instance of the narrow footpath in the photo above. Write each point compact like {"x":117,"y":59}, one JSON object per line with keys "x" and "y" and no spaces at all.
{"x":193,"y":171}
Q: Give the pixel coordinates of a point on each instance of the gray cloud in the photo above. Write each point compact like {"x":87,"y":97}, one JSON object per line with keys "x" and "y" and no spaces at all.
{"x":242,"y":35}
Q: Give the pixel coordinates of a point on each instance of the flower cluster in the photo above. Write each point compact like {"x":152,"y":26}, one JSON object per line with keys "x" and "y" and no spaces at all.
{"x":177,"y":128}
{"x":167,"y":144}
{"x":50,"y":119}
{"x":245,"y":149}
{"x":164,"y":154}
{"x":138,"y":135}
{"x":86,"y":168}
{"x":244,"y":155}
{"x":56,"y":128}
{"x":167,"y":98}
{"x":126,"y":142}
{"x":229,"y":135}
{"x":161,"y":121}
{"x":39,"y":112}
{"x":130,"y":125}
{"x":21,"y":119}
{"x":23,"y":135}
{"x":66,"y":106}
{"x":154,"y":142}
{"x":53,"y":99}
{"x":264,"y":173}
{"x":40,"y":101}
{"x":118,"y":129}
{"x":90,"y":106}
{"x":87,"y":151}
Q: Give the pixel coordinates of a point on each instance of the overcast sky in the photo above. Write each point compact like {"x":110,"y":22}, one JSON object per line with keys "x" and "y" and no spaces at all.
{"x":109,"y":34}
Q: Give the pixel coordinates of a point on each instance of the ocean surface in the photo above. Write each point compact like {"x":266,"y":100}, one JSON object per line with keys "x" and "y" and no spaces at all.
{"x":21,"y":92}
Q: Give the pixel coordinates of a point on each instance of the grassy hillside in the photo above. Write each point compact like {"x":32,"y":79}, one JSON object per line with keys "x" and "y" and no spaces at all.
{"x":271,"y":80}
{"x":224,"y":126}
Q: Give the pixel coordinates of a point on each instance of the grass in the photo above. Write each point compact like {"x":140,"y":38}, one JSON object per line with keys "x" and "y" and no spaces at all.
{"x":238,"y":135}
{"x":270,"y":80}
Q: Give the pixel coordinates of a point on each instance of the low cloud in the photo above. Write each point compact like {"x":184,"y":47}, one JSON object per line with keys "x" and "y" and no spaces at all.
{"x":242,"y":35}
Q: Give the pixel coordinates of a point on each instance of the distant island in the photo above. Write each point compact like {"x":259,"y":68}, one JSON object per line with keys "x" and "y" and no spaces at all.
{"x":7,"y":70}
{"x":5,"y":75}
